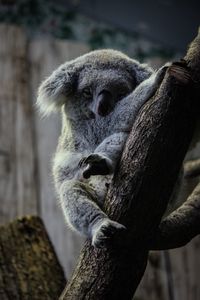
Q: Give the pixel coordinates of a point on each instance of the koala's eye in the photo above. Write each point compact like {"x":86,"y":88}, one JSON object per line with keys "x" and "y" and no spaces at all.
{"x":87,"y":93}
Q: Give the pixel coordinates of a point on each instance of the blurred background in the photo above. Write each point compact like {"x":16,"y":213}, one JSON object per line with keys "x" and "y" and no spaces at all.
{"x":35,"y":37}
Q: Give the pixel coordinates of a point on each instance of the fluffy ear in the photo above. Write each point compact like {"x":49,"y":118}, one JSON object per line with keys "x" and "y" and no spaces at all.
{"x":53,"y":92}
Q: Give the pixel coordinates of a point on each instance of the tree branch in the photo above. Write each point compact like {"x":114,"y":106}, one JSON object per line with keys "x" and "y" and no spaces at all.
{"x":192,"y":168}
{"x":140,"y":190}
{"x":184,"y":223}
{"x":180,"y":226}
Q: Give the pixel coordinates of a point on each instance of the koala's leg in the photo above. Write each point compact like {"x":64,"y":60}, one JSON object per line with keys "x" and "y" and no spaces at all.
{"x":78,"y":202}
{"x":105,"y":157}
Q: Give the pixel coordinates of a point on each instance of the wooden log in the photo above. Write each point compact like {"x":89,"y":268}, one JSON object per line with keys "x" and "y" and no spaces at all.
{"x":29,"y":268}
{"x":18,"y":184}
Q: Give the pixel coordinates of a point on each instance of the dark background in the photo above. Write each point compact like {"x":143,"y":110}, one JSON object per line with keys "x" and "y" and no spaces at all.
{"x":173,"y":23}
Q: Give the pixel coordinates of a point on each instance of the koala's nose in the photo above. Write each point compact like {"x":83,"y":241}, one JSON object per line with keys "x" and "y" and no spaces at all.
{"x":105,"y":93}
{"x":104,"y":103}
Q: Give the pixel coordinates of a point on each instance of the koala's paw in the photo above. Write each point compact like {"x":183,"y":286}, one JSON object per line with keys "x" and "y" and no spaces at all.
{"x":96,"y":164}
{"x":105,"y":231}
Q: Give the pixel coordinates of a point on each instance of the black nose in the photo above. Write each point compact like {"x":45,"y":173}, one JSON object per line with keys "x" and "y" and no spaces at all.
{"x":105,"y":103}
{"x":105,"y":93}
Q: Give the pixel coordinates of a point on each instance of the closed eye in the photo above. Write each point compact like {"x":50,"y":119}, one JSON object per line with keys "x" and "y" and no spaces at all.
{"x":87,"y":93}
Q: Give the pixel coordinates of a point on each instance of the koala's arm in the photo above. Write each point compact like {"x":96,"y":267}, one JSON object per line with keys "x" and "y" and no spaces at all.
{"x":147,"y":88}
{"x":105,"y":157}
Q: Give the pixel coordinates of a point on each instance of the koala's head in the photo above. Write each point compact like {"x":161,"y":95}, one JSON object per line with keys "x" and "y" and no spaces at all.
{"x":91,"y":84}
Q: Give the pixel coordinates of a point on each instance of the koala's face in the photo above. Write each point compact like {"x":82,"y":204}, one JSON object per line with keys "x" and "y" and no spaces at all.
{"x":97,"y":91}
{"x":92,"y":84}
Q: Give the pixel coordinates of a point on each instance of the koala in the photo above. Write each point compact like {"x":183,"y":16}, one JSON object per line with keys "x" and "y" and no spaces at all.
{"x":99,"y":95}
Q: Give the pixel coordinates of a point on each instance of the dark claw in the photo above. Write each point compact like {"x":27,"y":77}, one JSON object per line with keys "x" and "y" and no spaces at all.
{"x":82,"y":161}
{"x":108,"y":231}
{"x":95,"y":165}
{"x":96,"y":169}
{"x":93,"y":158}
{"x":87,"y":173}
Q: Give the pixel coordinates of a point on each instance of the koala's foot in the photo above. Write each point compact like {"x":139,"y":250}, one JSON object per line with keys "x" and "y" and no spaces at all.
{"x":96,"y":164}
{"x":104,"y":231}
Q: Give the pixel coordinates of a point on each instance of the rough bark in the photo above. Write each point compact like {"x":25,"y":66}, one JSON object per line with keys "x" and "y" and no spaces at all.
{"x":141,"y":188}
{"x":29,"y":268}
{"x":192,"y":168}
{"x":183,"y":224}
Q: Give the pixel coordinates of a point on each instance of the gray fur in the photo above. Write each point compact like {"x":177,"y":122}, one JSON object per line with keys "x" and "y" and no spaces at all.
{"x":100,"y":94}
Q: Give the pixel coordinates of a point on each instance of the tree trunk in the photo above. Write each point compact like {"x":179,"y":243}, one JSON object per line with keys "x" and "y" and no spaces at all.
{"x":18,"y":184}
{"x":29,"y":266}
{"x":141,"y":187}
